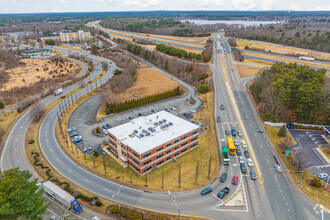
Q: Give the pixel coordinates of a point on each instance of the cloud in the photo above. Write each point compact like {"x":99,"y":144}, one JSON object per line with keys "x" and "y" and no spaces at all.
{"x":253,"y":4}
{"x":101,"y":1}
{"x":295,"y":7}
{"x":322,"y":8}
{"x":62,"y":1}
{"x":144,"y":3}
{"x":211,"y":2}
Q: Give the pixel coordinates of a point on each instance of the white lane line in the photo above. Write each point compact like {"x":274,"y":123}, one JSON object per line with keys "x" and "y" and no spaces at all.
{"x":261,"y":146}
{"x":275,"y":178}
{"x":17,"y":161}
{"x":58,"y":159}
{"x":50,"y":150}
{"x":132,"y":197}
{"x":108,"y":190}
{"x":70,"y":170}
{"x":46,"y":131}
{"x":47,"y":140}
{"x":267,"y":160}
{"x":85,"y":180}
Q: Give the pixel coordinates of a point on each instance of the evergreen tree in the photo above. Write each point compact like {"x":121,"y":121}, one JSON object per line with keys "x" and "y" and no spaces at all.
{"x":282,"y":131}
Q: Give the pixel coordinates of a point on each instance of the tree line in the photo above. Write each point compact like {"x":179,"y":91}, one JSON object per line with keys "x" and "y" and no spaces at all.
{"x":292,"y":93}
{"x":116,"y":107}
{"x":173,"y":51}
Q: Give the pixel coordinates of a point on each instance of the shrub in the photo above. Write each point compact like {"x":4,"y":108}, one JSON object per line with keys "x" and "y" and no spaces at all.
{"x":117,"y":72}
{"x":115,"y":210}
{"x":50,"y":42}
{"x":98,"y":203}
{"x":316,"y":182}
{"x":2,"y":105}
{"x":282,"y":131}
{"x":31,"y":142}
{"x":246,"y":47}
{"x":97,"y":130}
{"x":270,"y":117}
{"x":203,"y":88}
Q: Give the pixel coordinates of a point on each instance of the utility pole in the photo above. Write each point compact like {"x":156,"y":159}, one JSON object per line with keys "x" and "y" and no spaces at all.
{"x":173,"y":200}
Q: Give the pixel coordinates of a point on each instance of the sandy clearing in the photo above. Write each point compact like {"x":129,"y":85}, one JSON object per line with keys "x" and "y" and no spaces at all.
{"x":283,"y":50}
{"x":261,"y":63}
{"x":246,"y":71}
{"x":34,"y":70}
{"x":149,"y":82}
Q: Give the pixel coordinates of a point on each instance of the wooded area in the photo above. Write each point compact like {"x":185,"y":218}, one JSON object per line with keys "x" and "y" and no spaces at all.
{"x":292,"y":93}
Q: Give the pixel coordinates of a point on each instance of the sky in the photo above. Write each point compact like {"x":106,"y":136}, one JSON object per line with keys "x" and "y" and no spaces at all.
{"x":35,"y":6}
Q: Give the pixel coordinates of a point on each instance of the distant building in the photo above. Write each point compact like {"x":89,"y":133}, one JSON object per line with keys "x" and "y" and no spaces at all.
{"x":148,"y":142}
{"x":74,"y":36}
{"x":33,"y":52}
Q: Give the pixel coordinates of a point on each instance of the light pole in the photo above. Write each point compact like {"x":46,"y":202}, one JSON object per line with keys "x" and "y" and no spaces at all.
{"x":118,"y":196}
{"x":173,"y":199}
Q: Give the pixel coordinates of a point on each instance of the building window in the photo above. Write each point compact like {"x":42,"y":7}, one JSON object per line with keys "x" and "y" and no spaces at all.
{"x":195,"y":132}
{"x":194,"y":145}
{"x":169,"y":144}
{"x":194,"y":139}
{"x":149,"y":168}
{"x":169,"y":151}
{"x":135,"y":161}
{"x":184,"y":144}
{"x":176,"y":141}
{"x":176,"y":154}
{"x":176,"y":148}
{"x":159,"y":149}
{"x":184,"y":150}
{"x":135,"y":154}
{"x":145,"y":163}
{"x":160,"y":162}
{"x":184,"y":137}
{"x":159,"y":156}
{"x":168,"y":158}
{"x":147,"y":155}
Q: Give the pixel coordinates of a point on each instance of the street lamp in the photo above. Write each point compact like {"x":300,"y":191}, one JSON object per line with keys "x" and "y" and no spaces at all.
{"x":117,"y":196}
{"x":173,"y":199}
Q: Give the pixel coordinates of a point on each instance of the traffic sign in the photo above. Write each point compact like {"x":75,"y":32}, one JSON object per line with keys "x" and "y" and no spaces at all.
{"x":287,"y":153}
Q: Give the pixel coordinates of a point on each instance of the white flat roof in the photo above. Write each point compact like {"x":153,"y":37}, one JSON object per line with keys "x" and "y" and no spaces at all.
{"x":146,"y":132}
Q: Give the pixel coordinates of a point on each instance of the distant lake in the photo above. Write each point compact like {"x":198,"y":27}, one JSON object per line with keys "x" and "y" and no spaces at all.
{"x":229,"y":22}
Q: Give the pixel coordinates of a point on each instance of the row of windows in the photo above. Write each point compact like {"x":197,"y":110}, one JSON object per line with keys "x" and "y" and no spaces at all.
{"x":135,"y":154}
{"x":147,"y":155}
{"x":176,"y":141}
{"x":184,"y":150}
{"x":169,"y":144}
{"x":176,"y":148}
{"x":149,"y":168}
{"x":135,"y":161}
{"x":145,"y":163}
{"x":176,"y":154}
{"x":169,"y":151}
{"x":159,"y":156}
{"x":194,"y":139}
{"x":195,"y":132}
{"x":160,"y":162}
{"x":113,"y":144}
{"x":184,"y":137}
{"x":159,"y":149}
{"x":194,"y":145}
{"x":184,"y":144}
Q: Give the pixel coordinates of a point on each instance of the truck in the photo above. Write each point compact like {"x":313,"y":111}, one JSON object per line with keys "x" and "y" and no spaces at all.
{"x":61,"y":196}
{"x":233,"y":131}
{"x":231,"y":146}
{"x":58,"y":91}
{"x":306,"y":58}
{"x":225,"y":155}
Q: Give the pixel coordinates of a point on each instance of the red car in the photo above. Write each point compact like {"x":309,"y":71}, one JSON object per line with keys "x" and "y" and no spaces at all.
{"x":235,"y":180}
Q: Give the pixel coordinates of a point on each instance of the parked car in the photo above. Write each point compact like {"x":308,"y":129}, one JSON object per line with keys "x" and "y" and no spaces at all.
{"x":227,"y":132}
{"x":241,"y":159}
{"x":72,"y":129}
{"x":141,"y":114}
{"x":238,"y":152}
{"x":239,"y":133}
{"x":223,"y":192}
{"x":322,"y":176}
{"x":105,"y":127}
{"x":206,"y":190}
{"x":104,"y":131}
{"x":247,"y":154}
{"x":236,"y":142}
{"x":130,"y":117}
{"x":167,"y":109}
{"x":253,"y":175}
{"x":73,"y":134}
{"x":109,"y":125}
{"x":278,"y":168}
{"x":234,"y":180}
{"x":218,"y":119}
{"x":249,"y":162}
{"x":223,"y":177}
{"x":87,"y":149}
{"x":193,"y":111}
{"x":173,"y":108}
{"x":222,"y":107}
{"x":243,"y":143}
{"x":76,"y":139}
{"x":153,"y":111}
{"x":243,"y":168}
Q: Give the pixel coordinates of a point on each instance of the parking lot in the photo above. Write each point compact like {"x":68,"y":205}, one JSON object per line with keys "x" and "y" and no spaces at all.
{"x":307,"y":142}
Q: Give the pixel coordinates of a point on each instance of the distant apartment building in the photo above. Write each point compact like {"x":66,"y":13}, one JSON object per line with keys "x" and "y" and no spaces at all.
{"x":74,"y":36}
{"x":148,"y":142}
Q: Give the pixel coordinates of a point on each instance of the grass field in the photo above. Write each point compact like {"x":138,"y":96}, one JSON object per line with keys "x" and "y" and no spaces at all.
{"x":260,"y":63}
{"x":279,"y":49}
{"x":246,"y":71}
{"x":326,"y":151}
{"x":282,"y":59}
{"x":207,"y":149}
{"x":318,"y":194}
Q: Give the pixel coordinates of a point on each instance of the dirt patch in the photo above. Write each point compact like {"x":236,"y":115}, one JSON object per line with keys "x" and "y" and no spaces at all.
{"x":34,"y":70}
{"x":149,"y":82}
{"x":245,"y":71}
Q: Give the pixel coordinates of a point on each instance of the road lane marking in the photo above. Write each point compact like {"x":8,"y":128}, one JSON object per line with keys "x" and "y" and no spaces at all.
{"x":108,"y":190}
{"x":275,"y":178}
{"x":57,"y":159}
{"x":132,"y":197}
{"x":260,"y":145}
{"x":47,"y":140}
{"x":70,"y":170}
{"x":85,"y":180}
{"x":50,"y":150}
{"x":267,"y":160}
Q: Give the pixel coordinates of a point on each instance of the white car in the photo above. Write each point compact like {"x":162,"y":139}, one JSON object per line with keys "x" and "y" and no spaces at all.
{"x":249,"y":162}
{"x":236,"y":142}
{"x":193,"y":111}
{"x":278,"y":168}
{"x":241,"y":159}
{"x":173,"y":108}
{"x":322,"y":175}
{"x":243,"y":143}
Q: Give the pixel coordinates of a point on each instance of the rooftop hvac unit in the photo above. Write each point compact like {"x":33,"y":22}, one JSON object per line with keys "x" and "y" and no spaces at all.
{"x":150,"y":128}
{"x":170,"y":123}
{"x":144,"y":130}
{"x":156,"y":123}
{"x":160,"y":122}
{"x":141,"y":135}
{"x":135,"y":131}
{"x":166,"y":125}
{"x":153,"y":130}
{"x":147,"y":134}
{"x":164,"y":120}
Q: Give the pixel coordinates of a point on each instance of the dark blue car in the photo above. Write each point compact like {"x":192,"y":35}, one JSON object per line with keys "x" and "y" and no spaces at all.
{"x":206,"y":190}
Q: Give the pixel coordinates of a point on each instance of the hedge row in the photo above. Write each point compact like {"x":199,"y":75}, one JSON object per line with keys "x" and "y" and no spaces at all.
{"x":307,"y":127}
{"x":127,"y":213}
{"x":67,"y":184}
{"x":173,"y":51}
{"x":119,"y":107}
